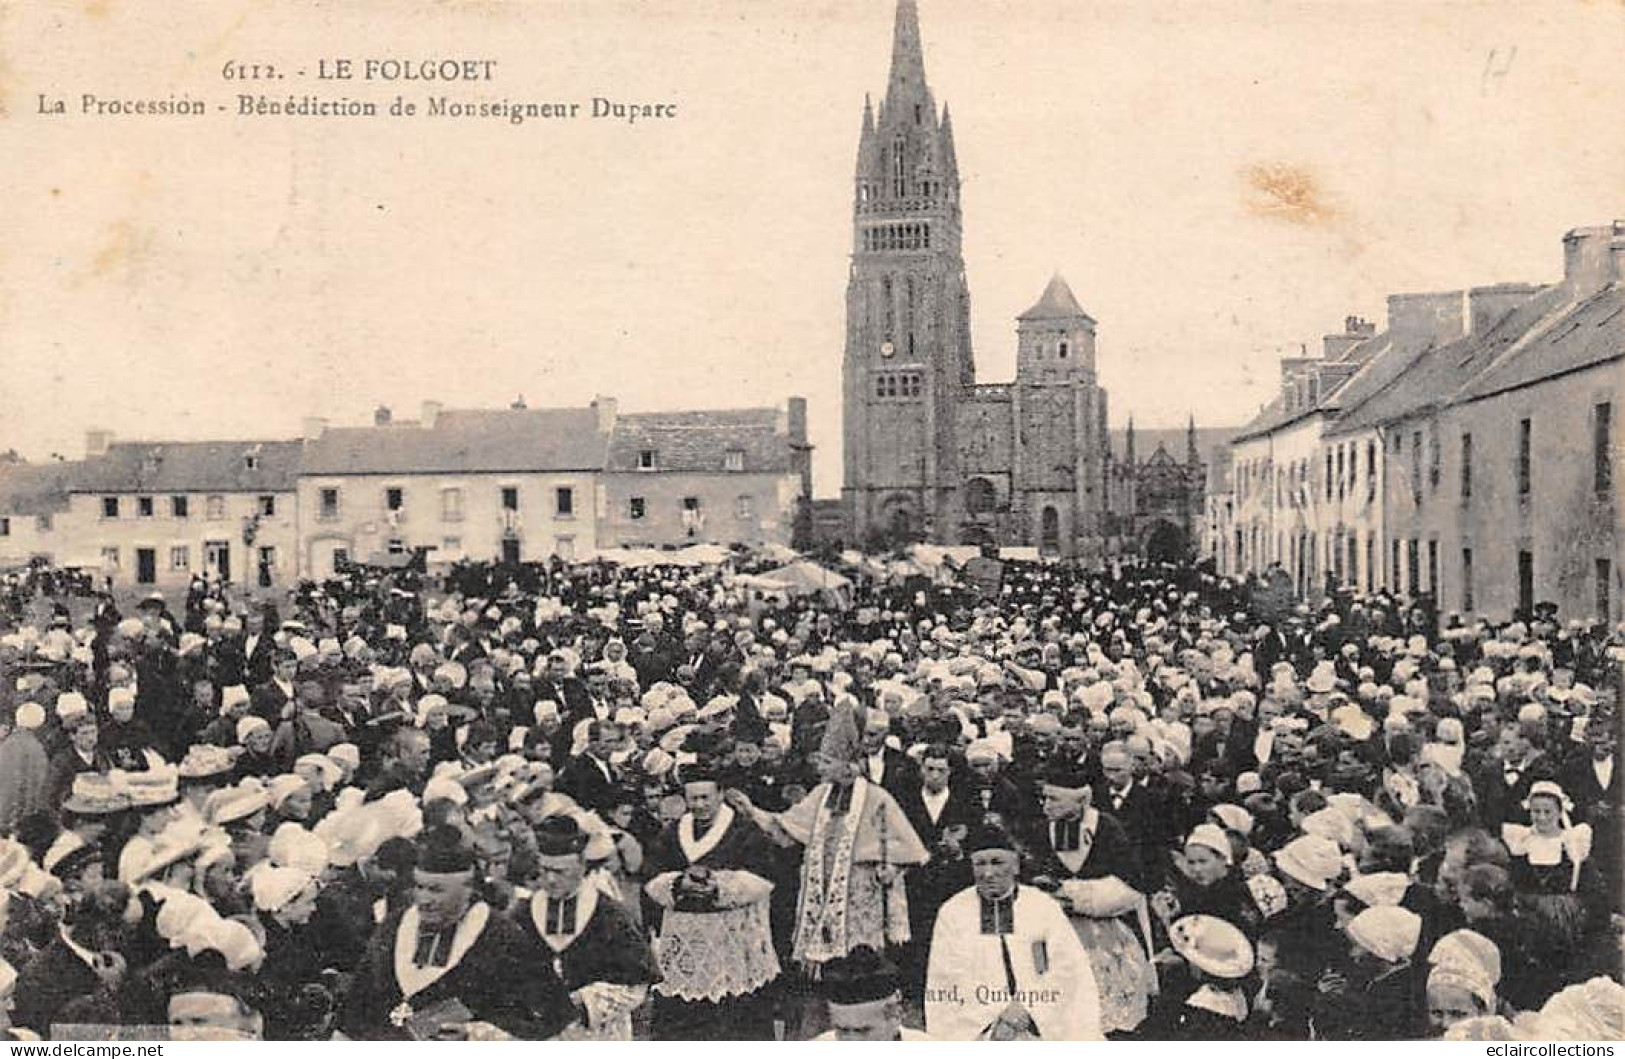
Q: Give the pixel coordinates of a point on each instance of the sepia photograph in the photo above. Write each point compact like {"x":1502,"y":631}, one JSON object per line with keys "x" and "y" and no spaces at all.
{"x":857,"y":520}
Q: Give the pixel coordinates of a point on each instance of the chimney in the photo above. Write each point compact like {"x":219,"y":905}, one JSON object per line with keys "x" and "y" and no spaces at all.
{"x":1593,"y":257}
{"x":97,"y":442}
{"x":1488,"y":306}
{"x":796,"y":414}
{"x":1356,"y":329}
{"x":430,"y":414}
{"x":518,"y":404}
{"x":1420,"y":319}
{"x":381,"y":416}
{"x":605,"y":407}
{"x":314,"y":428}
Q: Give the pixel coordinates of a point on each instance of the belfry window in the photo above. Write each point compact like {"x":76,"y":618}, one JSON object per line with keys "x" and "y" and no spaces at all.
{"x":898,"y":183}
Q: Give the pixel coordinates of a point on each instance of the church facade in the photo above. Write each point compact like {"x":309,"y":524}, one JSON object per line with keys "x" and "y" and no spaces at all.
{"x":930,"y":453}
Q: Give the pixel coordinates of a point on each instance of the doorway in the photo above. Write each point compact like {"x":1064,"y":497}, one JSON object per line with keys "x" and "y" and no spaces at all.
{"x":146,"y":566}
{"x":217,"y":558}
{"x":510,"y":550}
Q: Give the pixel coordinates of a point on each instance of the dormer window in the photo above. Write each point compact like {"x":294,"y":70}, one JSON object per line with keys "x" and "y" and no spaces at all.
{"x":646,"y":459}
{"x":251,"y":462}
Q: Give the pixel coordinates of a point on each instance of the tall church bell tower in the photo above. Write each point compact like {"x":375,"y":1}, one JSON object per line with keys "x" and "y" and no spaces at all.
{"x":908,"y":354}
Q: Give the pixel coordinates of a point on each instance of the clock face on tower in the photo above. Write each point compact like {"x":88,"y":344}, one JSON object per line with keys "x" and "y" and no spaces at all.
{"x":887,"y":349}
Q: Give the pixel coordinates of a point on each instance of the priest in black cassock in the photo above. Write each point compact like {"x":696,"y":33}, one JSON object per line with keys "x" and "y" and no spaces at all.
{"x":710,"y":884}
{"x":449,"y":967}
{"x":594,"y":946}
{"x":1085,"y":859}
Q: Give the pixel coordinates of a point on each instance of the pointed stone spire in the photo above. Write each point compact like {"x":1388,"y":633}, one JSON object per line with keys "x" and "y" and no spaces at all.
{"x":907,"y":55}
{"x":1192,"y":457}
{"x":1128,"y":444}
{"x":950,"y":157}
{"x":866,"y":140}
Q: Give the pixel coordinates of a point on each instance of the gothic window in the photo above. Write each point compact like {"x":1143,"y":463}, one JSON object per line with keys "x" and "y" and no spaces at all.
{"x":897,"y":168}
{"x":888,"y":307}
{"x":980,"y":496}
{"x":927,"y":234}
{"x":909,"y":318}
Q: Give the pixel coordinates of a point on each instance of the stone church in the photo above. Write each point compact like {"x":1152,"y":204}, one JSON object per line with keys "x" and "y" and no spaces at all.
{"x":930,"y":453}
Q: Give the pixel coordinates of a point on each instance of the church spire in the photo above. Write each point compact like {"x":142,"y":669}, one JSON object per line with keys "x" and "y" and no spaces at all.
{"x":866,"y":140}
{"x":907,"y":56}
{"x":950,"y":157}
{"x":1128,"y":444}
{"x":1192,"y":456}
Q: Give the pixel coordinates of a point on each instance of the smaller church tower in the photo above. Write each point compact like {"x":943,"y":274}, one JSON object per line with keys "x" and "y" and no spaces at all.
{"x":1060,"y":490}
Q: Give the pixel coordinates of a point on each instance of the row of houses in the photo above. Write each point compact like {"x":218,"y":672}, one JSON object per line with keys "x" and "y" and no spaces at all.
{"x":1468,"y":453}
{"x":516,"y":484}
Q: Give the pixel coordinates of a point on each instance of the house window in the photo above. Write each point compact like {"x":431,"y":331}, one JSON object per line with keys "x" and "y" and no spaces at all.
{"x":1602,"y":454}
{"x":109,"y":507}
{"x":180,"y":557}
{"x":251,"y":462}
{"x":5,"y":527}
{"x":1061,"y":350}
{"x":734,"y":460}
{"x":178,"y":507}
{"x":1416,"y":468}
{"x":635,"y":507}
{"x":1433,"y":569}
{"x":42,"y":523}
{"x":745,"y":507}
{"x":394,"y":498}
{"x":1331,"y":479}
{"x":396,"y":546}
{"x":1605,"y":575}
{"x":1525,"y":436}
{"x":1371,"y":562}
{"x":1340,"y":472}
{"x":1434,"y":460}
{"x":1467,"y":579}
{"x":1466,"y":467}
{"x":1413,"y":568}
{"x":1394,"y":582}
{"x":451,"y":544}
{"x":110,"y":560}
{"x":646,"y":459}
{"x":451,"y":505}
{"x":143,"y":506}
{"x":267,"y":506}
{"x":215,"y":508}
{"x":691,"y":503}
{"x":328,"y":504}
{"x":564,"y":501}
{"x":510,"y":498}
{"x":1370,"y":471}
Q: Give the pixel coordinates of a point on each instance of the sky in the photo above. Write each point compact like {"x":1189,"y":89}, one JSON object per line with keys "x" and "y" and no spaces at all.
{"x":1218,"y":181}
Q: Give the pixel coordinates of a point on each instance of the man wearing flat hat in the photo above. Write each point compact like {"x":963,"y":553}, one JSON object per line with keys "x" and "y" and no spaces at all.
{"x":448,"y":967}
{"x":1005,"y":963}
{"x":587,"y":936}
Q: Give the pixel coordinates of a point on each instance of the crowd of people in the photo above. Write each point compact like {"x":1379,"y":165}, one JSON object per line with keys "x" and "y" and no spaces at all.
{"x":600,"y":802}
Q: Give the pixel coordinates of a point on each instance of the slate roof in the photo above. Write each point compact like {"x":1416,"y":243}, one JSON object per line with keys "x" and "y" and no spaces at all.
{"x":465,"y":441}
{"x":35,"y":488}
{"x":190,"y":467}
{"x":1056,"y":303}
{"x":1591,"y":333}
{"x":699,"y":441}
{"x":1438,"y":374}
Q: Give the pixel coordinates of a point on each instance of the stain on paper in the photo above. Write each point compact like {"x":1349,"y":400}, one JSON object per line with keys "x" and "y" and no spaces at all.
{"x":1287,"y":192}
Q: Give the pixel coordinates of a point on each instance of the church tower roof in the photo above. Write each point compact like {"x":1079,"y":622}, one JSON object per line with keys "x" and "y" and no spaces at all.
{"x":1056,"y":303}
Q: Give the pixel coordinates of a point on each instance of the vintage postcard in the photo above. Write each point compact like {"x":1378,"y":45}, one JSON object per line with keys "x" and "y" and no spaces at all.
{"x":859,"y":519}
